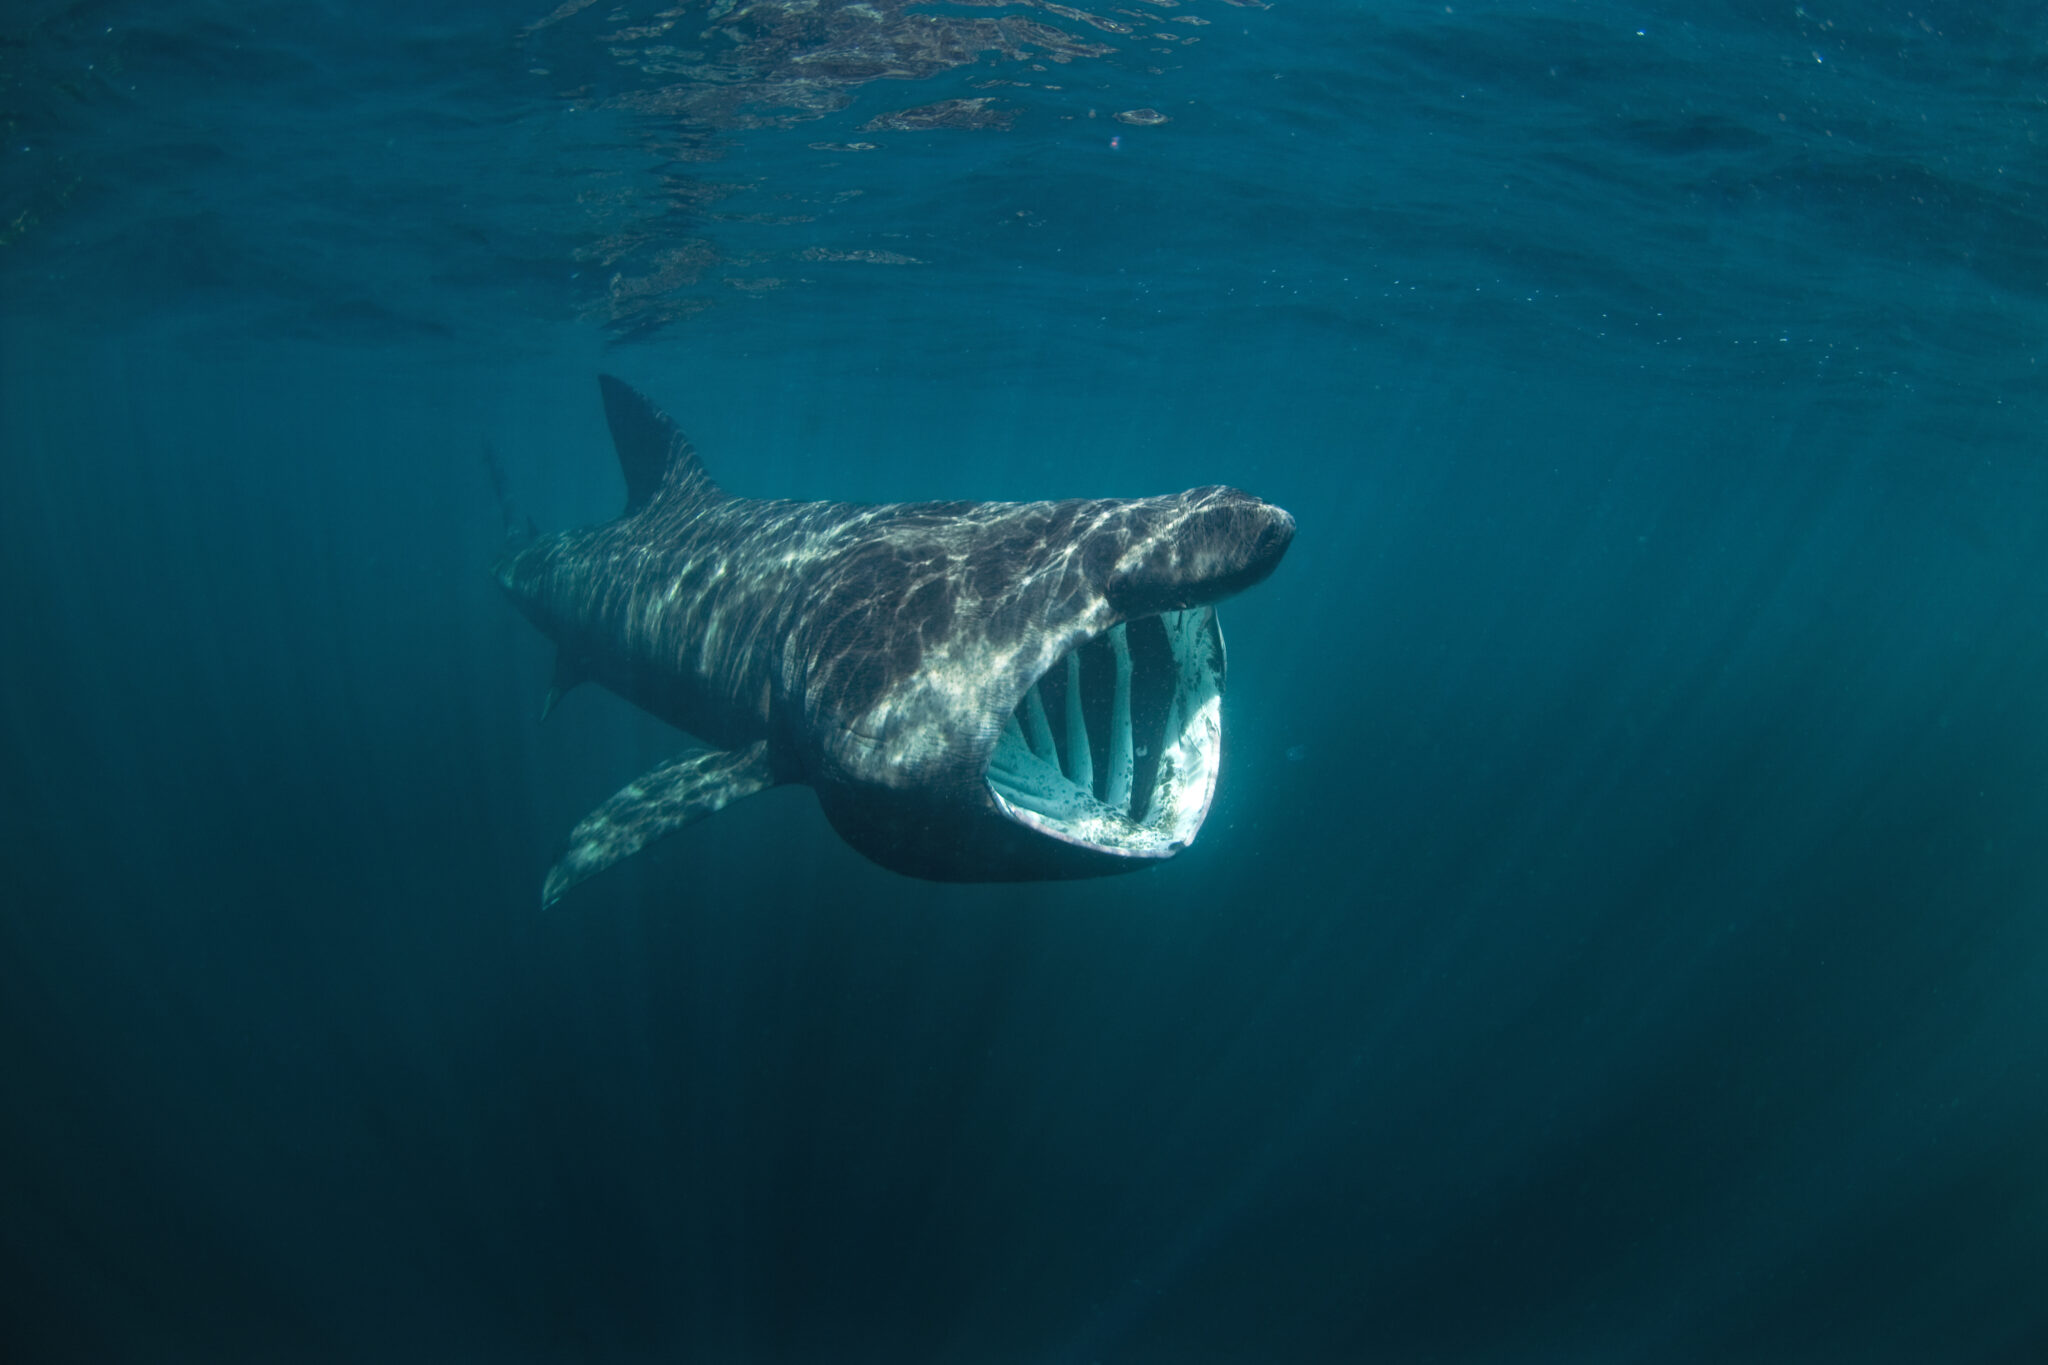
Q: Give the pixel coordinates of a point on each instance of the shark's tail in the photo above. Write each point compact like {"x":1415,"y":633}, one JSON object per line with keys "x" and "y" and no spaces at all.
{"x":518,"y":530}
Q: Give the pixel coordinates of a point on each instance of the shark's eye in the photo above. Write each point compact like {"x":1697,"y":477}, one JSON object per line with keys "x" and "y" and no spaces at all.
{"x":1116,"y":746}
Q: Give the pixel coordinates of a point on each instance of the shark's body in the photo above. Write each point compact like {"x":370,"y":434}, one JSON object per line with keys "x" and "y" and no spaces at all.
{"x":977,"y":691}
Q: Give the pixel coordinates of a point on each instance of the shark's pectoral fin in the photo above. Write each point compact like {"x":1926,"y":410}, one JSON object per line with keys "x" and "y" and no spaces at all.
{"x":657,"y":803}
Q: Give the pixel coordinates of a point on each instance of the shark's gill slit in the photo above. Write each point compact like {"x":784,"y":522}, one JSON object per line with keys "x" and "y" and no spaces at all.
{"x":1146,"y":695}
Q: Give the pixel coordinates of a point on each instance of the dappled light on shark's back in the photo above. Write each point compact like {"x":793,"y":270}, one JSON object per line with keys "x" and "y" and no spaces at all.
{"x":905,"y":661}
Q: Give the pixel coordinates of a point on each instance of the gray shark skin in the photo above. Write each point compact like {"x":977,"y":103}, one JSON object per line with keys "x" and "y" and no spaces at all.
{"x":977,"y":691}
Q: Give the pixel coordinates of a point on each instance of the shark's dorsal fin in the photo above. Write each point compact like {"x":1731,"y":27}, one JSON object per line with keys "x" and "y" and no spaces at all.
{"x":654,"y":455}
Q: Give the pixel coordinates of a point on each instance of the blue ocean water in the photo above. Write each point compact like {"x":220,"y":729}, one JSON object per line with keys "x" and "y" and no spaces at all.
{"x":1621,"y":929}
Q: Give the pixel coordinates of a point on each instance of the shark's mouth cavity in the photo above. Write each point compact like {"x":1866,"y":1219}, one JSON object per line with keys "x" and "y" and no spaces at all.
{"x":1116,"y":747}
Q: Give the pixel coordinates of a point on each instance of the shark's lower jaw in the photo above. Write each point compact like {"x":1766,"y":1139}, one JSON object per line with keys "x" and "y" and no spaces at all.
{"x":1116,"y":748}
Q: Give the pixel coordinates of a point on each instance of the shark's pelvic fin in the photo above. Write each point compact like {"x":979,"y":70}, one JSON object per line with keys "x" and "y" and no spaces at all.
{"x":570,"y":670}
{"x":658,"y":803}
{"x":654,"y":455}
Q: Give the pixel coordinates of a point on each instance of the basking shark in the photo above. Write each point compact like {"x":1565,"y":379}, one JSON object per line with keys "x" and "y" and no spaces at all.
{"x":977,"y":691}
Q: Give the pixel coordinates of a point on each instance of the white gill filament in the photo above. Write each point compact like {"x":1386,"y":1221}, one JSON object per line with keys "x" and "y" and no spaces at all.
{"x":1080,"y":761}
{"x":1040,"y":729}
{"x":1118,"y":793}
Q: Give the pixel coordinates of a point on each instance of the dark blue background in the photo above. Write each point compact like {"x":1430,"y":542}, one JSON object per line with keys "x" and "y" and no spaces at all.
{"x":1642,"y":958}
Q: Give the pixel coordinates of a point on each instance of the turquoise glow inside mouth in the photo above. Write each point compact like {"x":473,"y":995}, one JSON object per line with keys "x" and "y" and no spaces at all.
{"x":1117,"y":746}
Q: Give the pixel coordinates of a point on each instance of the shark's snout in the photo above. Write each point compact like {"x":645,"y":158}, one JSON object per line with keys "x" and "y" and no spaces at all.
{"x":1206,"y":545}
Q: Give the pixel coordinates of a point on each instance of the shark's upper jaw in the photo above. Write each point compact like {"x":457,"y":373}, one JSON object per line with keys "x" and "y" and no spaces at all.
{"x":1116,"y":748}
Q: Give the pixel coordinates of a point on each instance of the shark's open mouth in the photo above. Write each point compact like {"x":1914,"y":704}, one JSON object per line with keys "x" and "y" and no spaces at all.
{"x":1116,"y":748}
